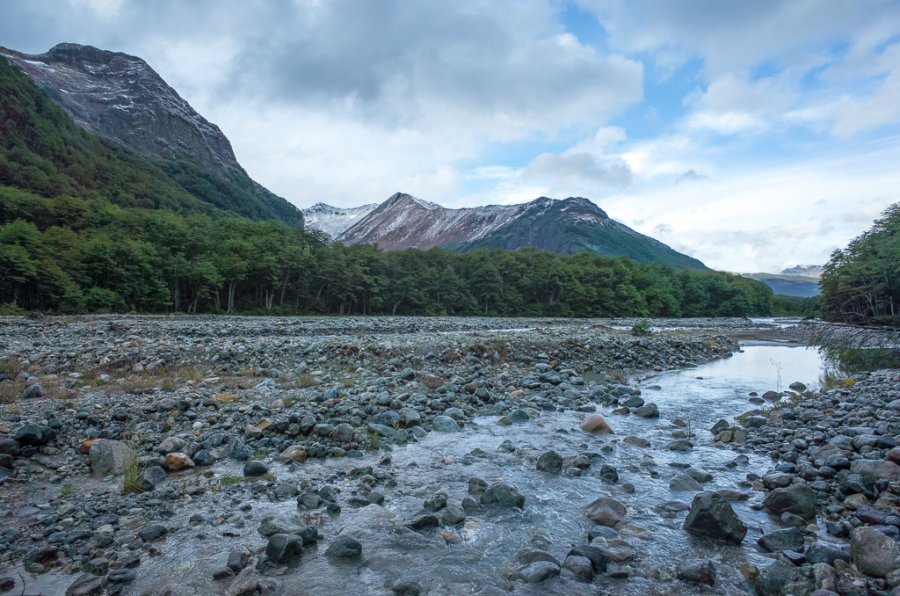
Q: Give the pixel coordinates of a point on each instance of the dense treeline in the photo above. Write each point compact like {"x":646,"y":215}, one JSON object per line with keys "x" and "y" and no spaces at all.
{"x":861,"y":284}
{"x":89,"y":255}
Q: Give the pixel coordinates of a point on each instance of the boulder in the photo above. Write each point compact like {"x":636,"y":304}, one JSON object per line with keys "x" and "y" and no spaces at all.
{"x":109,"y":457}
{"x":445,"y":424}
{"x":595,"y":423}
{"x":550,"y":462}
{"x":711,"y":516}
{"x":34,"y":434}
{"x":344,"y":547}
{"x":777,"y":579}
{"x":798,"y":499}
{"x":779,"y":540}
{"x":255,"y":468}
{"x":605,"y":511}
{"x":284,"y":548}
{"x":703,"y":572}
{"x":178,"y":461}
{"x":874,"y":553}
{"x":294,"y":453}
{"x":647,"y":411}
{"x":502,"y":495}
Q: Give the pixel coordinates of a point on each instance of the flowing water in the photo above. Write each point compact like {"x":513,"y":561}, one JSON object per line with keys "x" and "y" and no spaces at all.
{"x":478,"y":557}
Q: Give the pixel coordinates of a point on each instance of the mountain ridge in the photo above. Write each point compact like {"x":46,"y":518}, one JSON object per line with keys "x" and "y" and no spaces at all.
{"x":563,"y":226}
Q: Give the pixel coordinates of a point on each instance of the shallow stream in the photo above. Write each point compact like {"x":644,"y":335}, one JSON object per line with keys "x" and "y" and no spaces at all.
{"x":479,"y":556}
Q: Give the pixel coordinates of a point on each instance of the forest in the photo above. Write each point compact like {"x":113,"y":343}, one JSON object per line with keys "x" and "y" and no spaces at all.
{"x":71,"y":255}
{"x":861,"y":283}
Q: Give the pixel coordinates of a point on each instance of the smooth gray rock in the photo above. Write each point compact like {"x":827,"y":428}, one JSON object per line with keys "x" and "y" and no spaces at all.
{"x":502,"y":495}
{"x":344,"y":547}
{"x":605,"y":511}
{"x":445,"y":424}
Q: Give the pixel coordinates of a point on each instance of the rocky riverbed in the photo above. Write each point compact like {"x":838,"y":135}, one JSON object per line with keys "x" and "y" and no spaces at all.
{"x":154,"y":455}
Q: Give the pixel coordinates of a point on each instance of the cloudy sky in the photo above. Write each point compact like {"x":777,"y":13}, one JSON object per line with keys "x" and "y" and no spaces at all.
{"x":751,"y":135}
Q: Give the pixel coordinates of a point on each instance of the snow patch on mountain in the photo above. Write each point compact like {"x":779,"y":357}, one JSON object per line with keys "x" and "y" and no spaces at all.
{"x":334,"y":220}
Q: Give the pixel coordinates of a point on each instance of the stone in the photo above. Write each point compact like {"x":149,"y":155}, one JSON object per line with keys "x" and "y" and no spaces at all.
{"x":33,"y":391}
{"x":255,"y":468}
{"x":344,"y":547}
{"x":87,"y":585}
{"x":178,"y":461}
{"x":538,"y":571}
{"x":593,"y":554}
{"x":581,"y":568}
{"x":407,"y":587}
{"x":871,"y":471}
{"x":636,"y":441}
{"x":477,"y":486}
{"x":152,"y":477}
{"x":680,"y":445}
{"x":798,"y":499}
{"x":609,"y":474}
{"x":453,"y":514}
{"x":502,"y":495}
{"x":874,"y":553}
{"x":779,"y":540}
{"x":152,"y":532}
{"x":284,"y":548}
{"x":684,"y":483}
{"x":445,"y":424}
{"x":550,"y":462}
{"x":703,"y":572}
{"x":773,"y":580}
{"x":34,"y":435}
{"x":822,"y":552}
{"x":711,"y":516}
{"x":293,"y":454}
{"x":595,"y":423}
{"x":647,"y":411}
{"x":606,"y":511}
{"x":109,"y":457}
{"x":238,"y":559}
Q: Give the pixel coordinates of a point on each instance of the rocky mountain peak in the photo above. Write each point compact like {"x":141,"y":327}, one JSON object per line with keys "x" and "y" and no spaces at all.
{"x":121,"y":97}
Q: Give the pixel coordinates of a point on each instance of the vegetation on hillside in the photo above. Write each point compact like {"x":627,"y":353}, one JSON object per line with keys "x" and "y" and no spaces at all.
{"x":88,"y":226}
{"x":861,"y":284}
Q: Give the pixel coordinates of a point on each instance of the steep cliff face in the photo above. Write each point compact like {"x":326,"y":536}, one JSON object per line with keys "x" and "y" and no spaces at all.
{"x":564,"y":226}
{"x":120,"y":97}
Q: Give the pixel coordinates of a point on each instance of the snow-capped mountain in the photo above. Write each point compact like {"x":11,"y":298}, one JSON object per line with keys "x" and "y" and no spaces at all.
{"x":564,"y":226}
{"x":404,"y":221}
{"x":334,"y":220}
{"x":120,"y":97}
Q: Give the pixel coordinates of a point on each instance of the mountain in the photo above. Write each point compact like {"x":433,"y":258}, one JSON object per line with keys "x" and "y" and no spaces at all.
{"x":334,"y":220}
{"x":803,"y":286}
{"x":804,"y":270}
{"x":404,"y":221}
{"x":564,"y":226}
{"x":121,"y":98}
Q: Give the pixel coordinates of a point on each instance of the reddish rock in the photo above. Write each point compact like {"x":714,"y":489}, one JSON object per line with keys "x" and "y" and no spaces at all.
{"x":86,"y":446}
{"x":595,"y":423}
{"x":178,"y":461}
{"x":894,"y":455}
